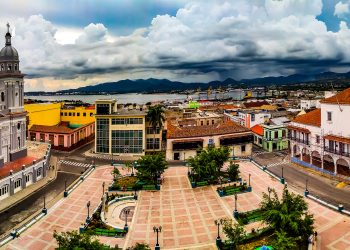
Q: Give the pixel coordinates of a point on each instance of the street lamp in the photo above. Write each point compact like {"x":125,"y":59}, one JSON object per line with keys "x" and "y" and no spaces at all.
{"x":235,"y":213}
{"x":88,"y":210}
{"x":135,"y":194}
{"x":103,"y":188}
{"x":306,"y":187}
{"x":65,"y":193}
{"x":157,"y":230}
{"x":126,"y":213}
{"x":249,"y":189}
{"x":44,"y":208}
{"x":218,"y":239}
{"x":132,"y":168}
{"x":282,"y":177}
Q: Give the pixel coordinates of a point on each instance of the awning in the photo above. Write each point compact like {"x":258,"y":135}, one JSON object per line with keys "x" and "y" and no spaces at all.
{"x":337,"y":138}
{"x":305,"y":130}
{"x":188,"y":140}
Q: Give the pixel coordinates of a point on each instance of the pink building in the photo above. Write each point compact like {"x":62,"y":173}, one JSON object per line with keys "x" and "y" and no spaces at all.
{"x":62,"y":136}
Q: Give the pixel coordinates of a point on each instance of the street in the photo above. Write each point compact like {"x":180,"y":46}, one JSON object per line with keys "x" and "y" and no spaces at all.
{"x":296,"y":177}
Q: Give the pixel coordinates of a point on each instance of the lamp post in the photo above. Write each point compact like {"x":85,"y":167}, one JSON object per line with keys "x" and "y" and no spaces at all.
{"x":88,"y":210}
{"x":65,"y":193}
{"x":135,"y":194}
{"x":235,"y":212}
{"x":126,"y":213}
{"x":157,"y":230}
{"x":44,"y":208}
{"x":306,"y":187}
{"x":132,"y":168}
{"x":269,"y":190}
{"x":282,"y":177}
{"x":218,"y":239}
{"x":249,"y":189}
{"x":103,"y":188}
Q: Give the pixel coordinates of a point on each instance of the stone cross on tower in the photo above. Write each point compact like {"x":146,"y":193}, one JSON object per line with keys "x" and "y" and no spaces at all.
{"x":8,"y":27}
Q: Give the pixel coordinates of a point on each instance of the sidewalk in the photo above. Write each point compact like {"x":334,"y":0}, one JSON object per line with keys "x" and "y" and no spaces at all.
{"x":21,"y":195}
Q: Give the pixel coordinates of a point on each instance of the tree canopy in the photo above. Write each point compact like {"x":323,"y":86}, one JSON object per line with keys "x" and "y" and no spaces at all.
{"x":209,"y":162}
{"x":74,"y":240}
{"x":234,"y":232}
{"x":150,"y":167}
{"x":289,"y":215}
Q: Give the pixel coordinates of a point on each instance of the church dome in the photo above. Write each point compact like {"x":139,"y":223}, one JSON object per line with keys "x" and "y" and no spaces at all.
{"x":8,"y":53}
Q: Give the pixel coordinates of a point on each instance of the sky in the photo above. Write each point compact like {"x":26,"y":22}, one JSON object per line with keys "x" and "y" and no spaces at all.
{"x":66,"y":44}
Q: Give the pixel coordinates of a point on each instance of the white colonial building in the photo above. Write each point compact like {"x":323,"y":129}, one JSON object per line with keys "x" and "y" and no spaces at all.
{"x":12,"y":114}
{"x":321,"y":138}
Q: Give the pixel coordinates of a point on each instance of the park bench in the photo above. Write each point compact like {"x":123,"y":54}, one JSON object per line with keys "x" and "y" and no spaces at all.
{"x":201,"y":183}
{"x":109,"y":233}
{"x":148,"y":187}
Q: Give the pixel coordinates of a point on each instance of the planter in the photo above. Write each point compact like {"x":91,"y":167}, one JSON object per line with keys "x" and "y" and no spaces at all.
{"x":221,"y":193}
{"x":193,"y":184}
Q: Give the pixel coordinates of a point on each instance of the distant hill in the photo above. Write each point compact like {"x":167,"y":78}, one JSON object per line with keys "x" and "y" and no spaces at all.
{"x":152,"y":85}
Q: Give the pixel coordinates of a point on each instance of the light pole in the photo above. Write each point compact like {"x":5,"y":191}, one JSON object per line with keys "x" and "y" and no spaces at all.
{"x":306,"y":187}
{"x":88,"y":210}
{"x":249,"y":189}
{"x":135,"y":194}
{"x":218,"y":239}
{"x":157,"y":230}
{"x":126,"y":213}
{"x":282,"y":177}
{"x":65,"y":193}
{"x":44,"y":208}
{"x":235,"y":213}
{"x":103,"y":188}
{"x":132,"y":168}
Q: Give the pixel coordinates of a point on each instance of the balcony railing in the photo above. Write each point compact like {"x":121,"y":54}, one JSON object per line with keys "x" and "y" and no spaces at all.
{"x":337,"y":152}
{"x":275,"y":139}
{"x":306,"y":142}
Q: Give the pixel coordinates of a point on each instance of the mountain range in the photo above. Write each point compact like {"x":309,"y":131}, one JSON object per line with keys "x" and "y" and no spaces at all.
{"x":152,"y":85}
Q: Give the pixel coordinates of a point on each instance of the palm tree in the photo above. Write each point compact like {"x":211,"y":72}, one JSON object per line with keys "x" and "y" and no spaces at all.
{"x":156,"y":118}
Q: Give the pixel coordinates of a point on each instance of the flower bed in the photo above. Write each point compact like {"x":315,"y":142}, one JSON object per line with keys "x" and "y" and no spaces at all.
{"x":232,"y":189}
{"x":250,"y":216}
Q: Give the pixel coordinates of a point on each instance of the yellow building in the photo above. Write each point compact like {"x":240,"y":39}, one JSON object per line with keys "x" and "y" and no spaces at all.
{"x":124,"y":132}
{"x":77,"y":115}
{"x":47,"y":114}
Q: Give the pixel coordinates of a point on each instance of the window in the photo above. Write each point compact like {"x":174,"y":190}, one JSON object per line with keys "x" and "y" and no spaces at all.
{"x":18,"y":183}
{"x":151,"y":131}
{"x":283,"y":133}
{"x":127,"y":141}
{"x":61,"y":113}
{"x":73,"y":113}
{"x":102,"y":109}
{"x":152,"y":144}
{"x":78,"y":114}
{"x":19,"y":126}
{"x":2,"y":96}
{"x":28,"y":177}
{"x":4,"y":190}
{"x":84,"y":114}
{"x":253,"y":117}
{"x":102,"y":136}
{"x":329,"y":116}
{"x":65,"y":113}
{"x":61,"y":140}
{"x":317,"y":139}
{"x":207,"y":122}
{"x":9,"y":67}
{"x":15,"y":67}
{"x":118,"y":121}
{"x":243,"y":148}
{"x":2,"y":67}
{"x":39,"y":172}
{"x":201,"y":123}
{"x":69,"y":114}
{"x":212,"y":122}
{"x":91,"y":114}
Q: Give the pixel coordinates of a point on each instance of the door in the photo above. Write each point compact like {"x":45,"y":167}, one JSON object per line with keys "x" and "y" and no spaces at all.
{"x":176,"y":156}
{"x":5,"y":153}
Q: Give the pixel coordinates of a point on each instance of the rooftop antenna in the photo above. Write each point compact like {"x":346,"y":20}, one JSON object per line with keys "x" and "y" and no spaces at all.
{"x":341,"y":110}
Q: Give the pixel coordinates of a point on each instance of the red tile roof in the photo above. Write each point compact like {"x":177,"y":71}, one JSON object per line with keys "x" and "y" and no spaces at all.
{"x":228,"y":127}
{"x":255,"y":104}
{"x":299,"y":129}
{"x":258,"y":129}
{"x":58,"y":129}
{"x":312,"y":118}
{"x":342,"y":97}
{"x":15,"y":166}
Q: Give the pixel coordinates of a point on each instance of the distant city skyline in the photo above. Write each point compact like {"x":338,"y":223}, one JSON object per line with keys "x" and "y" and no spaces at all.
{"x":66,"y":44}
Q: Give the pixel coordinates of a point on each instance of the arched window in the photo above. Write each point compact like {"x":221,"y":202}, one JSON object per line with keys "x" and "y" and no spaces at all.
{"x":2,"y":96}
{"x":2,"y":67}
{"x":9,"y":67}
{"x":38,"y":172}
{"x":18,"y":183}
{"x":4,"y":189}
{"x":16,"y":68}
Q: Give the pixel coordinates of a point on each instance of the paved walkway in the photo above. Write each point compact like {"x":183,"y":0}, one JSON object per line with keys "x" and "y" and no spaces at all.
{"x":187,"y":215}
{"x":68,"y":214}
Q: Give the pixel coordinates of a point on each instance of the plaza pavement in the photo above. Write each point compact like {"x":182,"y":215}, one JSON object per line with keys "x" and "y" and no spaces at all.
{"x":187,"y":215}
